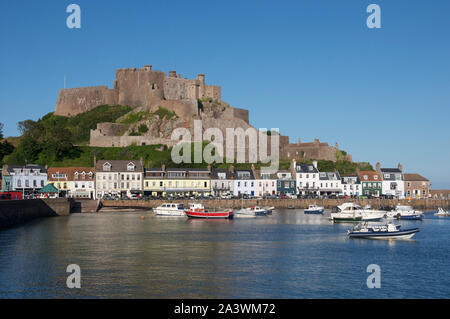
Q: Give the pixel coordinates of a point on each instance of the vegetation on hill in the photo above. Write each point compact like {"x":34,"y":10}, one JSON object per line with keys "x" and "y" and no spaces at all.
{"x":135,"y":117}
{"x":52,"y":138}
{"x":6,"y":147}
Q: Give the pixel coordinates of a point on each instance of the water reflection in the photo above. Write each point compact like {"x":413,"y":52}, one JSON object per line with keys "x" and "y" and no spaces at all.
{"x":286,"y":255}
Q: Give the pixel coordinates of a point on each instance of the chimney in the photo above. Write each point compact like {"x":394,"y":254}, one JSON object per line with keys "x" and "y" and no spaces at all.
{"x":299,"y":141}
{"x":95,"y":160}
{"x":400,"y":166}
{"x":142,"y":161}
{"x":378,"y":167}
{"x":172,"y":74}
{"x":314,"y":164}
{"x":209,"y":167}
{"x":163,"y":167}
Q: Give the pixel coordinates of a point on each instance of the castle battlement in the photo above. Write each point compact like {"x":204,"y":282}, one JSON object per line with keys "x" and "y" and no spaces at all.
{"x":141,"y":87}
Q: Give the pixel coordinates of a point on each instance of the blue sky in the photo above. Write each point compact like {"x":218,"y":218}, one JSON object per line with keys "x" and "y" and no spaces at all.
{"x":311,"y":68}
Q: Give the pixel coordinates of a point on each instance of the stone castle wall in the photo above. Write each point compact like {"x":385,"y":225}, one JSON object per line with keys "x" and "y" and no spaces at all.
{"x":139,"y":88}
{"x":74,"y":101}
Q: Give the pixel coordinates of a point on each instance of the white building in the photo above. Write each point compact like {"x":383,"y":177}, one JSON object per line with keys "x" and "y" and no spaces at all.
{"x":118,"y":178}
{"x":244,"y":182}
{"x":351,"y":185}
{"x":28,"y":179}
{"x":329,"y":184}
{"x":392,"y":181}
{"x":307,"y":178}
{"x":265,"y":184}
{"x":222,"y":182}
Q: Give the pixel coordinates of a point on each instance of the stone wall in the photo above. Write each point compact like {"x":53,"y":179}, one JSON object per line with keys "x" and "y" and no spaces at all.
{"x":71,"y":102}
{"x":423,"y":204}
{"x":15,"y":212}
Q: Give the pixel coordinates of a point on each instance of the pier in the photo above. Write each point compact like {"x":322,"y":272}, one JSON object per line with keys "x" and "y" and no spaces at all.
{"x":422,"y":204}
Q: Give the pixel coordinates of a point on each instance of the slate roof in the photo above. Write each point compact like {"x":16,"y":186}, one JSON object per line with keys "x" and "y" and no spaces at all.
{"x":119,"y":166}
{"x":329,"y":176}
{"x":305,"y":168}
{"x":215,"y":171}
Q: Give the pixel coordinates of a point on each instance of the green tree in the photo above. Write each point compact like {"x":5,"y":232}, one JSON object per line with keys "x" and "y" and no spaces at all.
{"x":1,"y":130}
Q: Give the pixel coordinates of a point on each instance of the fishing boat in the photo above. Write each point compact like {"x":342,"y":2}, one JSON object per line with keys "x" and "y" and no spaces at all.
{"x":441,"y":213}
{"x":405,"y":212}
{"x":249,"y":212}
{"x":388,"y":231}
{"x":170,"y":209}
{"x":197,"y":210}
{"x":314,"y":209}
{"x":351,"y":212}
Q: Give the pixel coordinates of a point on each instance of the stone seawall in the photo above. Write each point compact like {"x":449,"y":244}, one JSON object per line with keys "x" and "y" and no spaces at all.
{"x":16,"y":212}
{"x":423,"y":204}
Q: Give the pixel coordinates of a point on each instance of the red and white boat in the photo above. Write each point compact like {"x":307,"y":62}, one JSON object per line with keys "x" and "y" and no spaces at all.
{"x":197,"y":210}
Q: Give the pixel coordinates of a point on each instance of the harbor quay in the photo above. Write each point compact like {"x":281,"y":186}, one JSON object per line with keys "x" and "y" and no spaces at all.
{"x":422,"y":204}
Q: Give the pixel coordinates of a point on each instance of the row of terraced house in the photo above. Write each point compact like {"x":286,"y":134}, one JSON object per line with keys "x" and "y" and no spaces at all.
{"x":129,"y":178}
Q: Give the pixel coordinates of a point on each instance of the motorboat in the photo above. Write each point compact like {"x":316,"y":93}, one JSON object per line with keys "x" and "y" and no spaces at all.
{"x":197,"y":210}
{"x":170,"y":209}
{"x":441,"y":213}
{"x":388,"y":231}
{"x":351,"y":212}
{"x":404,"y":212}
{"x":253,"y":211}
{"x":314,"y":209}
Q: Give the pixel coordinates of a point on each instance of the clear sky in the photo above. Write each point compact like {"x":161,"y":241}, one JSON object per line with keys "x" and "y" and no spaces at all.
{"x":311,"y":68}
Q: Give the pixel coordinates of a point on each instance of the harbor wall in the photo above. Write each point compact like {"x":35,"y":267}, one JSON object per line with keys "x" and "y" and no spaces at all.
{"x":16,"y":212}
{"x":422,"y":204}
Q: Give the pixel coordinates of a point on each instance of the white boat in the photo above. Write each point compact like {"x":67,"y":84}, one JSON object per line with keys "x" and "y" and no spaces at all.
{"x":388,"y":231}
{"x":314,"y":209}
{"x":404,"y":212}
{"x":442,"y":213}
{"x":351,"y":212}
{"x":249,"y":212}
{"x":169,"y":209}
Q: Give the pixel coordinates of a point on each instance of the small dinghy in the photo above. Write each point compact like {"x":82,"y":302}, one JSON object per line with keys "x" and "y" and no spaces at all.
{"x":388,"y":231}
{"x":314,"y":209}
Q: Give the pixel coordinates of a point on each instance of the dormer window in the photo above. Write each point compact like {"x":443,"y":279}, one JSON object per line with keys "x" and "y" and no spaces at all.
{"x":106,"y":167}
{"x":365,"y":177}
{"x":375,"y":177}
{"x":131,"y":167}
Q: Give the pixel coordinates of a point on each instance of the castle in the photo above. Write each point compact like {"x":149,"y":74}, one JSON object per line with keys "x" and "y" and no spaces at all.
{"x":148,"y":90}
{"x":142,"y":87}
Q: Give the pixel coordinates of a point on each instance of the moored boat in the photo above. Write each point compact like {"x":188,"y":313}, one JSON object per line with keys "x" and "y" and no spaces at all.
{"x":351,"y":212}
{"x":388,"y":231}
{"x":314,"y":209}
{"x":249,"y":212}
{"x":170,"y":209}
{"x":404,"y":212}
{"x":441,"y":213}
{"x":197,"y":210}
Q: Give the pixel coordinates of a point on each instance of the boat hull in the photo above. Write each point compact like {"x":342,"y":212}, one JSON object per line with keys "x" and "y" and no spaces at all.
{"x":346,"y":219}
{"x":169,"y":213}
{"x":403,"y":234}
{"x":410,"y":217}
{"x":313,"y":211}
{"x":210,"y":215}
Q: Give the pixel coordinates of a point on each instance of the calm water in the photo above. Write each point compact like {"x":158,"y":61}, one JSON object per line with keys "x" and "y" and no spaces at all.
{"x":286,"y":255}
